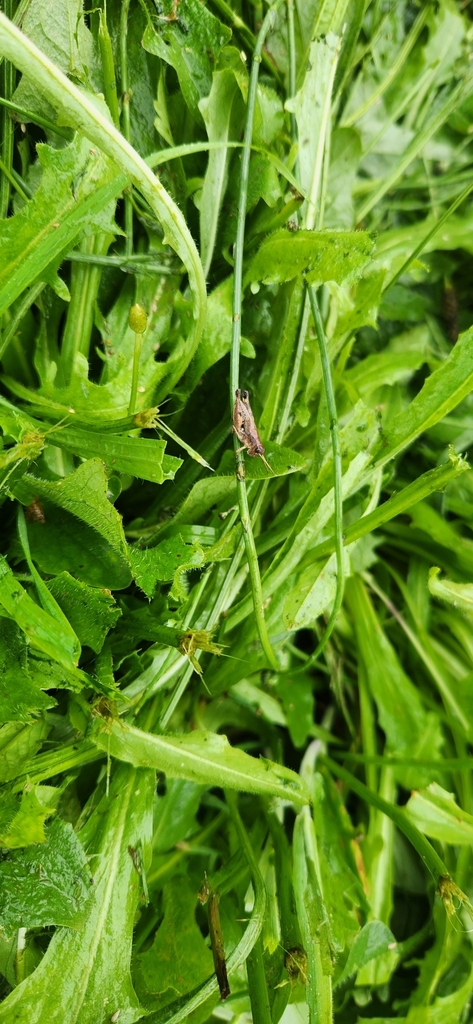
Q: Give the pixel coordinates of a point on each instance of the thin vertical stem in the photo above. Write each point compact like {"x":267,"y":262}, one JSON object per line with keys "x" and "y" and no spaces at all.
{"x":259,"y":998}
{"x":126,"y":124}
{"x":253,"y":566}
{"x":337,"y":469}
{"x":7,"y":83}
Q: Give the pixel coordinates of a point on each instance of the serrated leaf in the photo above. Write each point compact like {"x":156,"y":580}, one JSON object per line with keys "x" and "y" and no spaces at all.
{"x":22,"y":818}
{"x":83,"y":493}
{"x":179,"y":958}
{"x":35,"y":239}
{"x":281,"y":461}
{"x":90,"y":610}
{"x":163,"y":563}
{"x":339,"y":256}
{"x":47,"y":884}
{"x":202,"y":757}
{"x":442,"y":391}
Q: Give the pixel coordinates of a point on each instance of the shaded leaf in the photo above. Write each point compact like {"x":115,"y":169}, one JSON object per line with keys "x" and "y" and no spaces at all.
{"x":91,"y":612}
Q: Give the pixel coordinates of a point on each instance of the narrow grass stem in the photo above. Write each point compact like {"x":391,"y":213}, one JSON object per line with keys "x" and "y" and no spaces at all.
{"x":426,"y":852}
{"x":135,"y":373}
{"x":29,"y":115}
{"x":252,"y":557}
{"x":259,"y":998}
{"x":430,"y":234}
{"x":108,"y":67}
{"x":125,"y":120}
{"x":7,"y":85}
{"x":337,"y":470}
{"x":27,"y":301}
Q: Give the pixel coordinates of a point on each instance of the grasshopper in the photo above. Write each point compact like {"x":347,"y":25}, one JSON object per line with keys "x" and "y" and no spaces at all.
{"x":245,"y":428}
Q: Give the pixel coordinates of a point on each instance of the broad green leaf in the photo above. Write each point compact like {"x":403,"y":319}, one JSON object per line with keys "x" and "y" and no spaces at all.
{"x":297,"y":698}
{"x":218,"y":490}
{"x":21,"y":694}
{"x":137,"y":456}
{"x":264,"y":703}
{"x":374,"y":939}
{"x":339,"y":256}
{"x":437,"y":814}
{"x":168,"y":561}
{"x":96,"y":954}
{"x":281,"y":460}
{"x":442,"y":391}
{"x":179,"y":959}
{"x":191,"y":43}
{"x":84,"y":494}
{"x":66,"y":544}
{"x":217,"y":335}
{"x":41,"y":629}
{"x":45,"y":884}
{"x":409,"y":497}
{"x":19,"y":743}
{"x":90,"y":610}
{"x":338,"y":870}
{"x":22,"y":818}
{"x":314,"y":593}
{"x":202,"y":757}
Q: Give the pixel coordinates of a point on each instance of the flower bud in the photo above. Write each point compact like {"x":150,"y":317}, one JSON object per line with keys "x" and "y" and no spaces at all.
{"x":137,"y":319}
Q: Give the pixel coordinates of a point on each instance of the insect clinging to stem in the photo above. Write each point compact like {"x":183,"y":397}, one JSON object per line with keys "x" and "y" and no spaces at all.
{"x":245,"y":428}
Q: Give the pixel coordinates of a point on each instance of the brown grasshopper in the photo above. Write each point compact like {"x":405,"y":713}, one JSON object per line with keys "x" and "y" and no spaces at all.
{"x":245,"y":428}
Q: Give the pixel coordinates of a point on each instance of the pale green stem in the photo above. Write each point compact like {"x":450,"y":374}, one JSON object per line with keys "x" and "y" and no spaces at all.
{"x":126,"y":124}
{"x":28,"y":299}
{"x":108,"y":67}
{"x":430,"y":234}
{"x":252,"y":557}
{"x":425,"y":850}
{"x":28,"y":115}
{"x":135,"y":373}
{"x":337,"y":471}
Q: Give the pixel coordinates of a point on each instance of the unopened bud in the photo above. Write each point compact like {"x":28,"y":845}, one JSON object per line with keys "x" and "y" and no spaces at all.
{"x":137,"y":319}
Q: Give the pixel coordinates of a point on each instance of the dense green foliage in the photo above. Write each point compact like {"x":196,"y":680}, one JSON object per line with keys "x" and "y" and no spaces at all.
{"x":216,"y":672}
